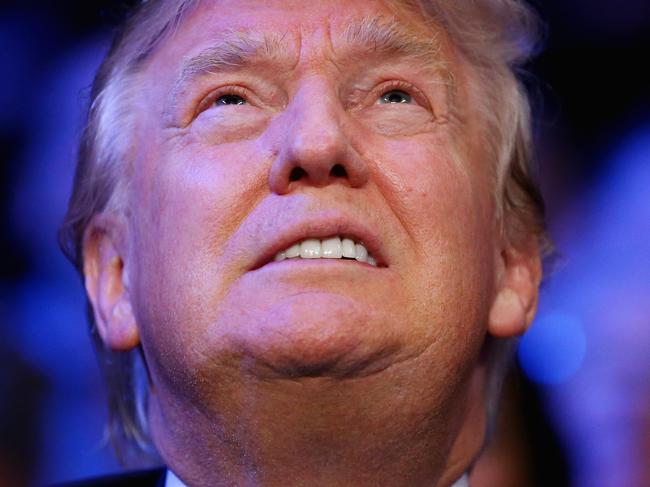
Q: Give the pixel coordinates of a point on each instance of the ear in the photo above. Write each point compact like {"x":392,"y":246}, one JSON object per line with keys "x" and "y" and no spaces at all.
{"x":518,"y":279}
{"x":106,"y":281}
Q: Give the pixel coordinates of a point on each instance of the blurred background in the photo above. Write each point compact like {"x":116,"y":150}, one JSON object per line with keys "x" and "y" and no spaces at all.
{"x":576,"y":410}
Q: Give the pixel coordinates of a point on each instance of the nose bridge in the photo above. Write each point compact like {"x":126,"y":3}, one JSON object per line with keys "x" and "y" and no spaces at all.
{"x":315,"y":136}
{"x":316,"y":148}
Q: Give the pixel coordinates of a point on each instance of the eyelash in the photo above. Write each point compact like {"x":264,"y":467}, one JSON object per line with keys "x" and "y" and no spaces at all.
{"x":377,"y":92}
{"x":400,"y":85}
{"x":209,"y":100}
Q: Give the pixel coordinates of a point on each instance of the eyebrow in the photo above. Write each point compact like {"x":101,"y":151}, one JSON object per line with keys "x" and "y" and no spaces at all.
{"x":238,"y":49}
{"x":388,"y":36}
{"x":235,"y":50}
{"x":381,"y":35}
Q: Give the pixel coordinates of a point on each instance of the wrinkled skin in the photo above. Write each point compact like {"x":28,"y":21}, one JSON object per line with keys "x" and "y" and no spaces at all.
{"x":301,"y":372}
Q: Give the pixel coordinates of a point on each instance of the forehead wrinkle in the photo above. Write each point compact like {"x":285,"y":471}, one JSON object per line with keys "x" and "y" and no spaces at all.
{"x":241,"y":48}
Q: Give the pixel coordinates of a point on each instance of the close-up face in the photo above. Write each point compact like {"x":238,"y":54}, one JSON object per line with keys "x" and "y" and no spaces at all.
{"x":265,"y":124}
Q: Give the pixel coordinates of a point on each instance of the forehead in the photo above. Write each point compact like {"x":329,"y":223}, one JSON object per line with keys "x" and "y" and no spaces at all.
{"x":296,"y":26}
{"x":307,"y":15}
{"x":282,"y":36}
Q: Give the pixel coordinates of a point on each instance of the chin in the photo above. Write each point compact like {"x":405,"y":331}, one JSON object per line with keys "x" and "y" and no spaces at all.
{"x":310,"y":334}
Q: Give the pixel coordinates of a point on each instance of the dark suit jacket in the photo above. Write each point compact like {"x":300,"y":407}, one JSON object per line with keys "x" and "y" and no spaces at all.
{"x":137,"y":478}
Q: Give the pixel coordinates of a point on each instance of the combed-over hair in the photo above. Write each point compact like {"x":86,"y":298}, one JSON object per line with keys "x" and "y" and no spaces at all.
{"x":496,"y":37}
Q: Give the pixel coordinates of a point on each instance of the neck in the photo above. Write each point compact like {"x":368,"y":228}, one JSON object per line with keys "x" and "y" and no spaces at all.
{"x":317,"y":431}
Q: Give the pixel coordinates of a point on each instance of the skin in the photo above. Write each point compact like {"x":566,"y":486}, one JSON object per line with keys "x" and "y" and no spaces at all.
{"x":309,"y":372}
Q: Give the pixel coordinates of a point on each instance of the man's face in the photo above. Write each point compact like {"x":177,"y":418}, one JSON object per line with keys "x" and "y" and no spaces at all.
{"x":263,"y":124}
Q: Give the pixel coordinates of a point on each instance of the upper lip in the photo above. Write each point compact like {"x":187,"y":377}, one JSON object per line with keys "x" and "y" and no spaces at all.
{"x":320,"y":227}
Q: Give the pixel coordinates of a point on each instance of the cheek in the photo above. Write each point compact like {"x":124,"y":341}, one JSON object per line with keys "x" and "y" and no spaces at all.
{"x":192,"y":195}
{"x":191,"y":198}
{"x":187,"y":192}
{"x":444,"y":203}
{"x":436,"y":190}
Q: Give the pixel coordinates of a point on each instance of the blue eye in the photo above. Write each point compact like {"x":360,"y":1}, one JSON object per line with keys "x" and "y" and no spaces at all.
{"x":230,"y":100}
{"x":395,"y":96}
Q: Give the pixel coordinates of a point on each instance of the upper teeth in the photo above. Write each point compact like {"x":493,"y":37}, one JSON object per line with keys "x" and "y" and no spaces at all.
{"x":329,"y":248}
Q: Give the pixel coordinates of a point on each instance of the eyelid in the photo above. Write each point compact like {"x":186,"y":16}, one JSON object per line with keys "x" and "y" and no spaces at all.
{"x":401,"y":85}
{"x":207,"y":101}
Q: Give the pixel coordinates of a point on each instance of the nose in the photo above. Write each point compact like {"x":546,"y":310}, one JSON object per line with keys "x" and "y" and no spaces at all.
{"x":315,"y":149}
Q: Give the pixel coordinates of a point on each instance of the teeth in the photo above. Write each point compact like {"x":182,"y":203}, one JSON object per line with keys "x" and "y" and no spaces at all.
{"x":329,"y":248}
{"x":293,"y":251}
{"x":361,"y":254}
{"x":347,"y":246}
{"x":310,"y":249}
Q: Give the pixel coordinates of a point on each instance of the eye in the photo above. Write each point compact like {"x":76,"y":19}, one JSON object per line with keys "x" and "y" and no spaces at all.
{"x":394,"y":96}
{"x":229,"y":99}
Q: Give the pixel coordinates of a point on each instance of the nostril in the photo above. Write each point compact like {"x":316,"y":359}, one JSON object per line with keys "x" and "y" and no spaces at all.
{"x":339,"y":171}
{"x":296,"y":174}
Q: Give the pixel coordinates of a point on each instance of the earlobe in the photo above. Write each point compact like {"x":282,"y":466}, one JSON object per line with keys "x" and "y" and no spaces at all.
{"x":106,"y":284}
{"x":507,"y":315}
{"x":120,"y":331}
{"x":515,"y":303}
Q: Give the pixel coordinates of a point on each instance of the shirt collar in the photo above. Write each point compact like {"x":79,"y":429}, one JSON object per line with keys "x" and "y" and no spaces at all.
{"x":173,"y":481}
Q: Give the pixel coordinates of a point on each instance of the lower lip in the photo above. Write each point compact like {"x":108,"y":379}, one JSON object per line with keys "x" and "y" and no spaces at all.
{"x":319,"y":263}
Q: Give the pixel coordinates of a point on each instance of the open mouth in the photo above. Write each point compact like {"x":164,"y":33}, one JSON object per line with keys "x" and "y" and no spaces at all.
{"x":328,"y":248}
{"x":322,"y":236}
